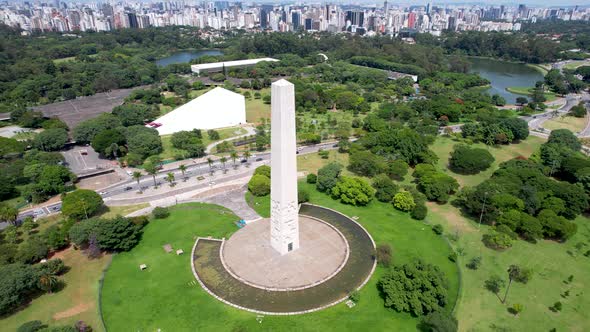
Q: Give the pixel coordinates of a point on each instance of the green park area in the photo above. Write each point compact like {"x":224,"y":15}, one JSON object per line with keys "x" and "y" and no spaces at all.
{"x":528,"y":91}
{"x":166,"y":295}
{"x":170,"y":152}
{"x":566,"y":122}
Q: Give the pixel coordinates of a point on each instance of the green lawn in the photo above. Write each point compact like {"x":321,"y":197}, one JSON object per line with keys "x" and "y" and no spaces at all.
{"x":527,"y":91}
{"x":259,"y":204}
{"x":576,"y":64}
{"x":113,"y":211}
{"x":311,"y":162}
{"x":77,"y":301}
{"x":551,"y":262}
{"x":444,"y":145}
{"x":567,"y":122}
{"x":170,"y":152}
{"x":166,"y":297}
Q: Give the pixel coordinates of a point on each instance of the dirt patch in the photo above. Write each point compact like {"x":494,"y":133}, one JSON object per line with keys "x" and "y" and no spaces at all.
{"x":73,"y":311}
{"x":452,"y":216}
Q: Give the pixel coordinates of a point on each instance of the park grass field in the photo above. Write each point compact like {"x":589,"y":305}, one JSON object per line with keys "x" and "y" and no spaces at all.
{"x":170,"y":152}
{"x":443,"y":146}
{"x":576,"y":64}
{"x":311,"y":162}
{"x":113,"y":211}
{"x":567,"y":122}
{"x":259,"y":204}
{"x":166,"y":297}
{"x":551,"y":262}
{"x":78,"y":300}
{"x":527,"y":91}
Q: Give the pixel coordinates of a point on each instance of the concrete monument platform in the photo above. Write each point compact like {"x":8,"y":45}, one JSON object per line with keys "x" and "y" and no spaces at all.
{"x":249,"y":256}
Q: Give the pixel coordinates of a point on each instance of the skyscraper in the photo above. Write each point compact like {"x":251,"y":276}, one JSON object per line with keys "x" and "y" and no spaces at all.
{"x":296,"y":20}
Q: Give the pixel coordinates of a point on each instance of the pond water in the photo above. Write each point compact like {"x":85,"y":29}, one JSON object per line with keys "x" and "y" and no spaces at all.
{"x":185,"y":56}
{"x":504,"y":74}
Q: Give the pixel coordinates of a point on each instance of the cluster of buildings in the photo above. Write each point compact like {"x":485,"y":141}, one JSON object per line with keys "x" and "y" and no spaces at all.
{"x":56,"y":15}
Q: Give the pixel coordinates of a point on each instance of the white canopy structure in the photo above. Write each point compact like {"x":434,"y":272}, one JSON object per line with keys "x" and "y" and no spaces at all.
{"x":217,"y":108}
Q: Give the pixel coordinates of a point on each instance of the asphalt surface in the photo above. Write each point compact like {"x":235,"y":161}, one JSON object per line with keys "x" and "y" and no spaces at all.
{"x":146,"y":181}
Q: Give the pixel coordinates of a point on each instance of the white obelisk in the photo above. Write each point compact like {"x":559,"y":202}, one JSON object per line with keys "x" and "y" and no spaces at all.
{"x":284,"y":218}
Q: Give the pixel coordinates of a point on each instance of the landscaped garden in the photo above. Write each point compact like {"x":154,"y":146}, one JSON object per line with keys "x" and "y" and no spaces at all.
{"x":166,"y":295}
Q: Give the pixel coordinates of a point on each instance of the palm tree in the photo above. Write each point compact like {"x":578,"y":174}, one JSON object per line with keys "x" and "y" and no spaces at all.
{"x":513,"y":273}
{"x":137,"y":176}
{"x":247,"y":155}
{"x":210,"y":162}
{"x":182,"y":169}
{"x":152,"y":170}
{"x":234,"y":155}
{"x":223,"y":161}
{"x":170,"y":178}
{"x":47,"y":282}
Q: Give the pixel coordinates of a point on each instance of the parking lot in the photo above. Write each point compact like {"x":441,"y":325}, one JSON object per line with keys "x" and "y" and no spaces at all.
{"x":83,"y":159}
{"x":72,"y":112}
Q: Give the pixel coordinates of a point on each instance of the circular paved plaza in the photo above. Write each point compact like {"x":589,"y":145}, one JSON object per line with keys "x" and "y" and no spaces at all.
{"x":249,"y":257}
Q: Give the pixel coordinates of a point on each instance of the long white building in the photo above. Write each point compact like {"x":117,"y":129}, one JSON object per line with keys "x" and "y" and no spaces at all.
{"x":218,"y":66}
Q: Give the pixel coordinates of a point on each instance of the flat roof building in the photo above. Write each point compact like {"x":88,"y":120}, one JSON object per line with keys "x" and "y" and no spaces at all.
{"x":218,"y":66}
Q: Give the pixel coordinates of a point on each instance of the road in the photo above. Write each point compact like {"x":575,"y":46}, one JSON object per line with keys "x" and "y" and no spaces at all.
{"x":147,"y":181}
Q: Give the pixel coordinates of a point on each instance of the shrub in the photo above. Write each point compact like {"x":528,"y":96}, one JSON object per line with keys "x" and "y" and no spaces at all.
{"x":259,"y":185}
{"x":397,"y":169}
{"x":263,"y":170}
{"x":438,"y":229}
{"x":419,"y":212}
{"x":385,"y":189}
{"x":352,"y":190}
{"x":557,"y":306}
{"x":506,"y":230}
{"x":453,"y":256}
{"x":439,"y":321}
{"x":160,"y":212}
{"x":312,"y":178}
{"x":32,"y":326}
{"x":474,"y":263}
{"x":383,"y":254}
{"x":404,"y":201}
{"x":355,"y":296}
{"x":302,"y":195}
{"x":497,"y":240}
{"x":399,"y":288}
{"x":328,"y":176}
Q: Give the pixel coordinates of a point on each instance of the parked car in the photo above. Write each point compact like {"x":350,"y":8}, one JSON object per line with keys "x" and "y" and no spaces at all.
{"x":258,"y":159}
{"x":128,"y":188}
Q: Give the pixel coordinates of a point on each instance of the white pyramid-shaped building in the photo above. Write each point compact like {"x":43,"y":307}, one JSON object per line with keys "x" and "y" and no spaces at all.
{"x":217,"y":108}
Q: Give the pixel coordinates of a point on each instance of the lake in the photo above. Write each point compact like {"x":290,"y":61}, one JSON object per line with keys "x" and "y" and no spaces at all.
{"x":504,"y":74}
{"x":185,"y":56}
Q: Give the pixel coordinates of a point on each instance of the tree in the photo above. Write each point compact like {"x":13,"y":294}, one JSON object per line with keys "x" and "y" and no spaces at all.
{"x":234,"y":156}
{"x":143,"y":141}
{"x":259,"y":185}
{"x":246,"y":156}
{"x":213,"y":134}
{"x":170,"y":178}
{"x":416,"y":287}
{"x":404,"y":201}
{"x":210,"y":163}
{"x":160,"y":212}
{"x":514,"y":272}
{"x":494,"y":284}
{"x":18,"y":281}
{"x":365,"y":163}
{"x":86,"y":130}
{"x":137,"y":177}
{"x":32,"y":250}
{"x":182,"y":169}
{"x":328,"y":176}
{"x":439,"y":321}
{"x":521,"y":100}
{"x":55,"y":237}
{"x":352,"y":190}
{"x":51,"y":139}
{"x":118,"y":234}
{"x":81,"y":203}
{"x":8,"y":213}
{"x":31,"y":326}
{"x":47,"y":282}
{"x":468,"y":160}
{"x":419,"y":212}
{"x":383,"y":254}
{"x":152,"y":170}
{"x":104,"y":140}
{"x":385,"y":189}
{"x":437,"y":186}
{"x":565,"y":138}
{"x":397,"y":169}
